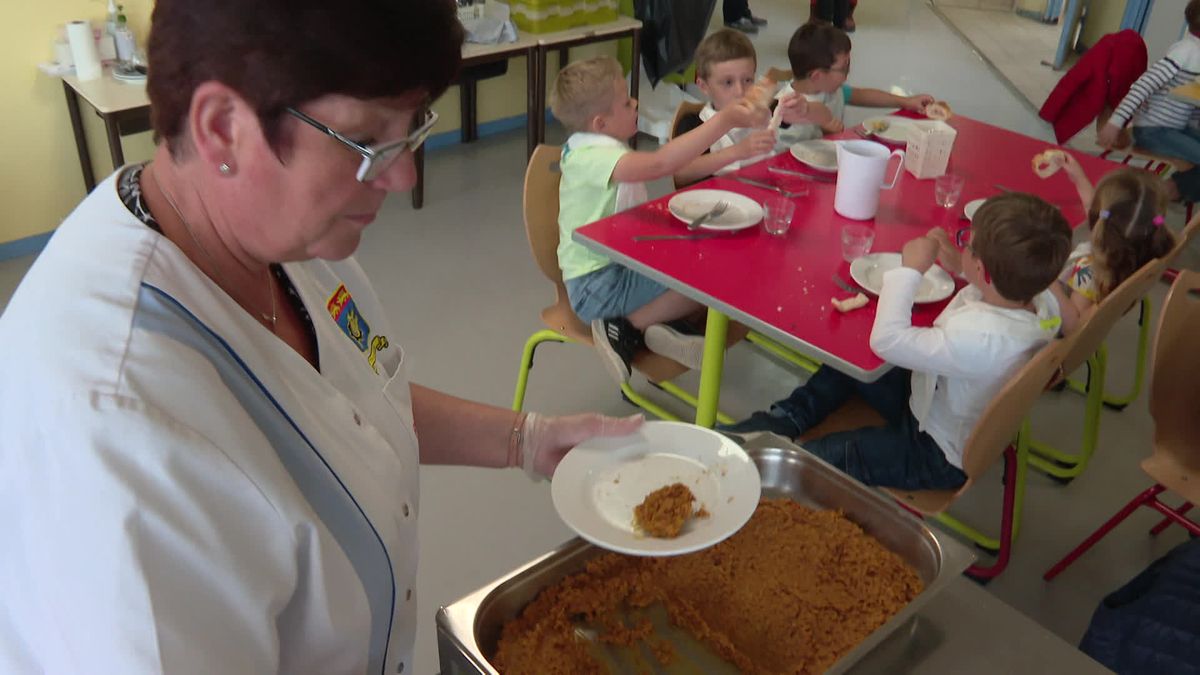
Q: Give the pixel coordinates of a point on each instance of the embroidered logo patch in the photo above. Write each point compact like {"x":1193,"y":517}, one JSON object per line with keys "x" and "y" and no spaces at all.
{"x":343,"y":310}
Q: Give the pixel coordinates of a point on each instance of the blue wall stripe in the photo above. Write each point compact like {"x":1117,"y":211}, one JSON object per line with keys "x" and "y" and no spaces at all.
{"x":324,"y":490}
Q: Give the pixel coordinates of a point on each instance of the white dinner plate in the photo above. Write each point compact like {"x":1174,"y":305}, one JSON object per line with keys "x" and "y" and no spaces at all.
{"x":601,"y":480}
{"x":819,"y":154}
{"x":894,"y":129}
{"x":971,"y":207}
{"x":742,"y":212}
{"x":868,"y":272}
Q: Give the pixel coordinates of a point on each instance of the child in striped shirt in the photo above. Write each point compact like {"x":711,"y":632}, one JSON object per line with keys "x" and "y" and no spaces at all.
{"x":1161,"y":124}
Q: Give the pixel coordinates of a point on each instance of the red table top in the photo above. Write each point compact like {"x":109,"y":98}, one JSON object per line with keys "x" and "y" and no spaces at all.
{"x":781,"y":286}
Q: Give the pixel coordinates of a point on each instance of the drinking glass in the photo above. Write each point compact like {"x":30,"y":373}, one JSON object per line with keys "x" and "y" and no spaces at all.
{"x":856,"y":241}
{"x":947,"y":188}
{"x":777,"y":215}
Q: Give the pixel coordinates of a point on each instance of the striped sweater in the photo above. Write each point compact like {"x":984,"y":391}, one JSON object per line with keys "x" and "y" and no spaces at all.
{"x":1148,"y":102}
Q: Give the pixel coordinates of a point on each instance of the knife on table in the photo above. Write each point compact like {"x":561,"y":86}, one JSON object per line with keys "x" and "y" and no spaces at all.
{"x":797,"y":174}
{"x":768,"y":186}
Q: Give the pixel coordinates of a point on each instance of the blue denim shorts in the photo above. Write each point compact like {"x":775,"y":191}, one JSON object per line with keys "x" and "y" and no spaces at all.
{"x":611,"y":291}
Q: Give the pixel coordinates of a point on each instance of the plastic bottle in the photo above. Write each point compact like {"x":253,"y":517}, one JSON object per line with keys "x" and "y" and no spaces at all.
{"x":126,"y":43}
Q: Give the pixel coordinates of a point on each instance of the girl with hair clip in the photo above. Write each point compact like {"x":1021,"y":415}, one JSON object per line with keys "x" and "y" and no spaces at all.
{"x":1126,"y":215}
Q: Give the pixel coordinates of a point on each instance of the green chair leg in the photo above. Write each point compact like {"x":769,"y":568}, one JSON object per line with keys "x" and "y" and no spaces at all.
{"x":790,"y":355}
{"x":992,"y":543}
{"x":1064,"y":465}
{"x":1139,"y":373}
{"x":545,"y":335}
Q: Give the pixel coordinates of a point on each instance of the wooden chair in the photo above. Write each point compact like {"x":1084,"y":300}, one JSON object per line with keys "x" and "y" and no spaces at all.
{"x":1086,"y":347}
{"x":685,"y":109}
{"x":1002,"y":431}
{"x":1174,"y":390}
{"x":540,"y":205}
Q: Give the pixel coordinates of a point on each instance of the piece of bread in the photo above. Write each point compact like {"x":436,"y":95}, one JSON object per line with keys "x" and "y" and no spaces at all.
{"x":939,"y":110}
{"x":849,"y":304}
{"x":1046,"y":164}
{"x":762,"y":92}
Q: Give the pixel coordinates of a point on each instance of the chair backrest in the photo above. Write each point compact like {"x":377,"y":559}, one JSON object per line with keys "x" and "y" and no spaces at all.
{"x":540,"y":205}
{"x":1096,"y":324}
{"x":1175,"y":373}
{"x":685,"y":109}
{"x":780,"y":74}
{"x":1008,"y":409}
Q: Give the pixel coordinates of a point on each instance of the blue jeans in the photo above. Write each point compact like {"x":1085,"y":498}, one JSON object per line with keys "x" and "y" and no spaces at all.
{"x":1181,"y":143}
{"x":898,"y":455}
{"x":609,"y":292}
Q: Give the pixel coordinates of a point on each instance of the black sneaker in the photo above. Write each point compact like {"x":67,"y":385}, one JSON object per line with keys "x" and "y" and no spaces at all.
{"x":617,"y":341}
{"x":757,"y":20}
{"x":763,"y":421}
{"x":743,"y":24}
{"x":675,"y":345}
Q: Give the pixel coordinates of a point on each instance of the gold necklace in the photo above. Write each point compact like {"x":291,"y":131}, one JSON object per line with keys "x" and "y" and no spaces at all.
{"x":273,"y":318}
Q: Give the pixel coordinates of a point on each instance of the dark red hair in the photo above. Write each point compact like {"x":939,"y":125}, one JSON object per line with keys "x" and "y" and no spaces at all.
{"x":281,"y":53}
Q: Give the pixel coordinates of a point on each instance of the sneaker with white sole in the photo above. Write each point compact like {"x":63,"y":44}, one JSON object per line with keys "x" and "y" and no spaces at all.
{"x":617,"y":341}
{"x":666,"y":341}
{"x":744,"y":24}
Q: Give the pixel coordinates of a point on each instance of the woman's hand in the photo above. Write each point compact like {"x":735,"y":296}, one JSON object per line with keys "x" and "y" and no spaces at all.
{"x":1108,"y":135}
{"x":545,"y":440}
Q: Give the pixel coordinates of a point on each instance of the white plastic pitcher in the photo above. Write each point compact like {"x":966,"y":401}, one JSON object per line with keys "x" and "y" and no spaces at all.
{"x":861,"y":166}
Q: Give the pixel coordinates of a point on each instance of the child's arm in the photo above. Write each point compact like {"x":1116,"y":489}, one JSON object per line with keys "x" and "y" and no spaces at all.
{"x":636,"y":167}
{"x":1068,"y":308}
{"x":877,"y":98}
{"x":948,"y":255}
{"x":1154,"y":79}
{"x":893,"y":336}
{"x":756,"y":143}
{"x":1082,"y":185}
{"x":799,"y":110}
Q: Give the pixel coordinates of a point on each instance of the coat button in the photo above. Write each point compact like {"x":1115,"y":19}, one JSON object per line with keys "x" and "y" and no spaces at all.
{"x":357,"y":419}
{"x":408,"y":595}
{"x":404,"y":510}
{"x":400,"y":667}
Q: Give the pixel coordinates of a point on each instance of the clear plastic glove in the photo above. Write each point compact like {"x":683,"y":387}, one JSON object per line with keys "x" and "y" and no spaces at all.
{"x":545,"y":440}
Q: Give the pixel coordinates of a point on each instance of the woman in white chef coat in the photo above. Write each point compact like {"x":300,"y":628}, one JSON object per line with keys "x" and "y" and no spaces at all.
{"x":208,"y":444}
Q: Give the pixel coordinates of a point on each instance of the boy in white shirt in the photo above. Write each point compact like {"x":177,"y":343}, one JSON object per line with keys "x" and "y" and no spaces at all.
{"x":601,"y":175}
{"x":948,"y":373}
{"x":725,"y":71}
{"x":820,"y":58}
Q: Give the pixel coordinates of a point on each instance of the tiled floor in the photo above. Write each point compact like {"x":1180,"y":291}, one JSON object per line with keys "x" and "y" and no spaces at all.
{"x":1014,"y":45}
{"x":463,"y":292}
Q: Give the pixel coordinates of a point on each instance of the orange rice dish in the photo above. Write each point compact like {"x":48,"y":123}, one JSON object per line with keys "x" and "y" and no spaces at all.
{"x":792,"y":592}
{"x":664,"y":511}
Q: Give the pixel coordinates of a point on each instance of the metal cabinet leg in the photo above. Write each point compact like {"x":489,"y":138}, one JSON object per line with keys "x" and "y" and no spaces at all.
{"x":114,"y":141}
{"x":85,"y":157}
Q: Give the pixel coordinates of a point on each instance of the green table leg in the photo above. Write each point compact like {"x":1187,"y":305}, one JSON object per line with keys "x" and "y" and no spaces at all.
{"x":710,"y":371}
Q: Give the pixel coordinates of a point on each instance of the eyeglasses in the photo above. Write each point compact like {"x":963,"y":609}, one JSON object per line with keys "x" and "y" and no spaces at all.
{"x":962,"y":238}
{"x":845,"y":70}
{"x":376,"y":158}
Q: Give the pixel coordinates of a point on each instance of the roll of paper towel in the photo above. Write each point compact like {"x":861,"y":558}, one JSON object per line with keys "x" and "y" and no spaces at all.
{"x":83,"y":50}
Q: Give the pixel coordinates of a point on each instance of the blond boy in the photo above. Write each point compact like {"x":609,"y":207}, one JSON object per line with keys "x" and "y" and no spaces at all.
{"x":602,"y":175}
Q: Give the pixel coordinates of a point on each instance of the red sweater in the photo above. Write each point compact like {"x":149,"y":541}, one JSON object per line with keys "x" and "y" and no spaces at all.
{"x":1101,"y":78}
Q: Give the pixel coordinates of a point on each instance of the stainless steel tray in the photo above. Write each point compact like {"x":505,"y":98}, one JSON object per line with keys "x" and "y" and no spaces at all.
{"x":470,"y":628}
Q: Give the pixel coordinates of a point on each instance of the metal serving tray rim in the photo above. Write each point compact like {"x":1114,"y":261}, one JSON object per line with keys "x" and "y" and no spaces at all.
{"x":459,"y":618}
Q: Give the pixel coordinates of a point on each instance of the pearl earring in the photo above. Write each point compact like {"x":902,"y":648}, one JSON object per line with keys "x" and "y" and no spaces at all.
{"x":225,"y":169}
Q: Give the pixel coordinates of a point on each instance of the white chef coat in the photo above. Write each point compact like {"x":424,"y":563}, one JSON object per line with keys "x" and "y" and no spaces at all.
{"x":180,"y":491}
{"x":960,"y":362}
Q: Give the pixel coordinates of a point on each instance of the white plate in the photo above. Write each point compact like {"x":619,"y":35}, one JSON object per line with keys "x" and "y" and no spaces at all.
{"x":868,"y":271}
{"x":819,"y":154}
{"x":971,"y":207}
{"x":743,"y":211}
{"x":897,"y":127}
{"x":601,"y":480}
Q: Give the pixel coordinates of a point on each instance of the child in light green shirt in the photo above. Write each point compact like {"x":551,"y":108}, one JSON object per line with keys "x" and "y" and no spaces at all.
{"x":602,"y":175}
